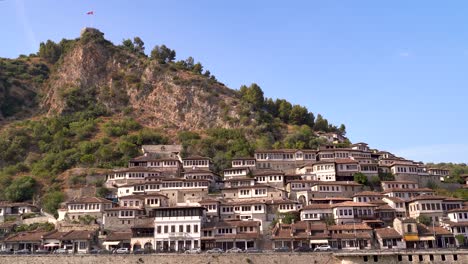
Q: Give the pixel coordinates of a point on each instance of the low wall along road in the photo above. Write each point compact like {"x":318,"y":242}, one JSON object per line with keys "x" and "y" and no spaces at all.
{"x":449,"y":257}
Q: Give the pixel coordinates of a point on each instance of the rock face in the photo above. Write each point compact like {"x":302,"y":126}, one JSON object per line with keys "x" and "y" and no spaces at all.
{"x":95,"y":72}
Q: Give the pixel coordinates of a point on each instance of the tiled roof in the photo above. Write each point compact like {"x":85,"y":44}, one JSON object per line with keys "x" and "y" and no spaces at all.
{"x":316,"y":206}
{"x":387,"y":232}
{"x":459,"y":210}
{"x":119,"y":236}
{"x":358,"y":235}
{"x":394,"y":199}
{"x":353,"y":204}
{"x":345,"y":161}
{"x":356,"y":226}
{"x":26,"y":236}
{"x":368,"y":193}
{"x":409,"y":190}
{"x":267,"y":172}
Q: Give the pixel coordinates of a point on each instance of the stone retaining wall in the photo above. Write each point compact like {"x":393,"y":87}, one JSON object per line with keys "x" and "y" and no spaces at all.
{"x":266,"y":258}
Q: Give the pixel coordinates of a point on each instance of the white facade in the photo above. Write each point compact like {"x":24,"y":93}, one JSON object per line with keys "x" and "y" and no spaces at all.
{"x":178,"y":228}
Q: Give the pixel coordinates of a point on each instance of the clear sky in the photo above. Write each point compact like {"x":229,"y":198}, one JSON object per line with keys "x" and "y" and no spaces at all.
{"x":395,"y":72}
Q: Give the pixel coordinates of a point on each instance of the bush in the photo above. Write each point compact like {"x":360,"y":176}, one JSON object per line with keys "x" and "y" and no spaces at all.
{"x":21,"y":189}
{"x":51,"y":202}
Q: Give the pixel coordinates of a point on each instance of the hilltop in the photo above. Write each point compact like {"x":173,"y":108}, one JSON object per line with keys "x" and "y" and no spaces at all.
{"x":87,"y":102}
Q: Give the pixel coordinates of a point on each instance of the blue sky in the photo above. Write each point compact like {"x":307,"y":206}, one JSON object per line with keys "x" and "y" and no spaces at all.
{"x":393,"y":71}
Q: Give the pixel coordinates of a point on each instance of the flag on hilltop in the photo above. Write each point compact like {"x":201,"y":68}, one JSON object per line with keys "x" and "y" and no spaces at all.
{"x":90,"y":13}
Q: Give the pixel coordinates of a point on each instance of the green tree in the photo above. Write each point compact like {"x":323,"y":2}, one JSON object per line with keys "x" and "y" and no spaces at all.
{"x":284,"y":109}
{"x":298,"y":115}
{"x":128,"y":45}
{"x":88,"y":159}
{"x":51,"y":202}
{"x":102,"y":192}
{"x":197,"y":68}
{"x":342,"y":129}
{"x":139,"y":45}
{"x":163,"y":54}
{"x":425,"y":220}
{"x":289,"y":217}
{"x":360,"y":178}
{"x":252,"y":95}
{"x":50,"y":51}
{"x":460,"y":239}
{"x":21,"y":189}
{"x":321,"y":124}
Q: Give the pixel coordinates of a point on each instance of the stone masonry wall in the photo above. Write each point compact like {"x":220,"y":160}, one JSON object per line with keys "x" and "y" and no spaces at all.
{"x":268,"y":258}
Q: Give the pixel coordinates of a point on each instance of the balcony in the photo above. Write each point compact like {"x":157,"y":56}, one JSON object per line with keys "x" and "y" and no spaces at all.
{"x":179,"y":235}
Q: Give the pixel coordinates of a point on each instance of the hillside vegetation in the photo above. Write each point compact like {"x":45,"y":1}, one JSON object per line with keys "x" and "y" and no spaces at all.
{"x":89,"y":103}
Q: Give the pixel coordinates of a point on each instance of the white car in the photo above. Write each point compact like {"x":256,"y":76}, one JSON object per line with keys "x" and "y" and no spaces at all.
{"x":122,"y":251}
{"x":323,"y":248}
{"x":193,"y":251}
{"x":234,"y":250}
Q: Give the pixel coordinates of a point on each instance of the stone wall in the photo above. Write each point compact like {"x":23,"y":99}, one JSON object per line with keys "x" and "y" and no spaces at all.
{"x":268,"y":258}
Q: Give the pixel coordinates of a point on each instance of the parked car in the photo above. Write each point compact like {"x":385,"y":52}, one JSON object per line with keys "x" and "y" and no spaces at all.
{"x":303,"y":249}
{"x":42,"y":251}
{"x":193,"y":251}
{"x":23,"y":251}
{"x":215,"y":250}
{"x":99,"y":251}
{"x":253,"y":250}
{"x":122,"y":251}
{"x":140,"y":251}
{"x":234,"y":250}
{"x":282,"y":249}
{"x":61,"y":251}
{"x":6,"y":251}
{"x":323,"y":248}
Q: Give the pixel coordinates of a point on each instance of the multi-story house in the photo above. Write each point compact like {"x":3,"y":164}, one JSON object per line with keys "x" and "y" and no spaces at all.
{"x":236,"y":172}
{"x":246,"y":210}
{"x":283,"y":159}
{"x":457,"y":223}
{"x":16,"y":209}
{"x":396,"y":203}
{"x":352,"y":212}
{"x":407,"y":194}
{"x":367,"y":196}
{"x":244,"y":163}
{"x":299,"y":234}
{"x":142,"y":237}
{"x":80,"y":207}
{"x":197,"y":162}
{"x":200,"y":174}
{"x":350,"y":236}
{"x":167,"y":166}
{"x":430,"y":206}
{"x":389,"y":238}
{"x":386,"y":185}
{"x":271,"y":177}
{"x":346,"y":168}
{"x":229,"y":234}
{"x":178,"y":228}
{"x":316,"y":212}
{"x":325,"y":171}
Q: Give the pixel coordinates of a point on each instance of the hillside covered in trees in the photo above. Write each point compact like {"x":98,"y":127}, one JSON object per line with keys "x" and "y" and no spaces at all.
{"x":89,"y":103}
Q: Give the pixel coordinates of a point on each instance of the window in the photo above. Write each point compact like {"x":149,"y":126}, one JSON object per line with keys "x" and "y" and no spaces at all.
{"x":187,"y":229}
{"x":195,"y":228}
{"x":158,"y":229}
{"x":173,"y":229}
{"x":181,"y":228}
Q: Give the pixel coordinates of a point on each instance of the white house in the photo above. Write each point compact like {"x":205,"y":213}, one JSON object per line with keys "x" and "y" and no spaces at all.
{"x":178,"y":228}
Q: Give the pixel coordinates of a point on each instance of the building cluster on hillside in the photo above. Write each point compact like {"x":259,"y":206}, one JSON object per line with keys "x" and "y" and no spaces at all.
{"x":278,"y":198}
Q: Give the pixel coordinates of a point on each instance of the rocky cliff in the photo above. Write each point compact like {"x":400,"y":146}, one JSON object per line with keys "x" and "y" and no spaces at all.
{"x":94,"y":71}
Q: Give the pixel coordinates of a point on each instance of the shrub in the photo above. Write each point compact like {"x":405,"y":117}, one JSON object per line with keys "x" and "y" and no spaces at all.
{"x":51,"y":202}
{"x":21,"y":189}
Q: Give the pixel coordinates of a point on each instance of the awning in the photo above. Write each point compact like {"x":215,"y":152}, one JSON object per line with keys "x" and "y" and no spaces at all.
{"x":319,"y":241}
{"x":51,"y":245}
{"x":428,"y":238}
{"x":411,"y":238}
{"x":111,"y":243}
